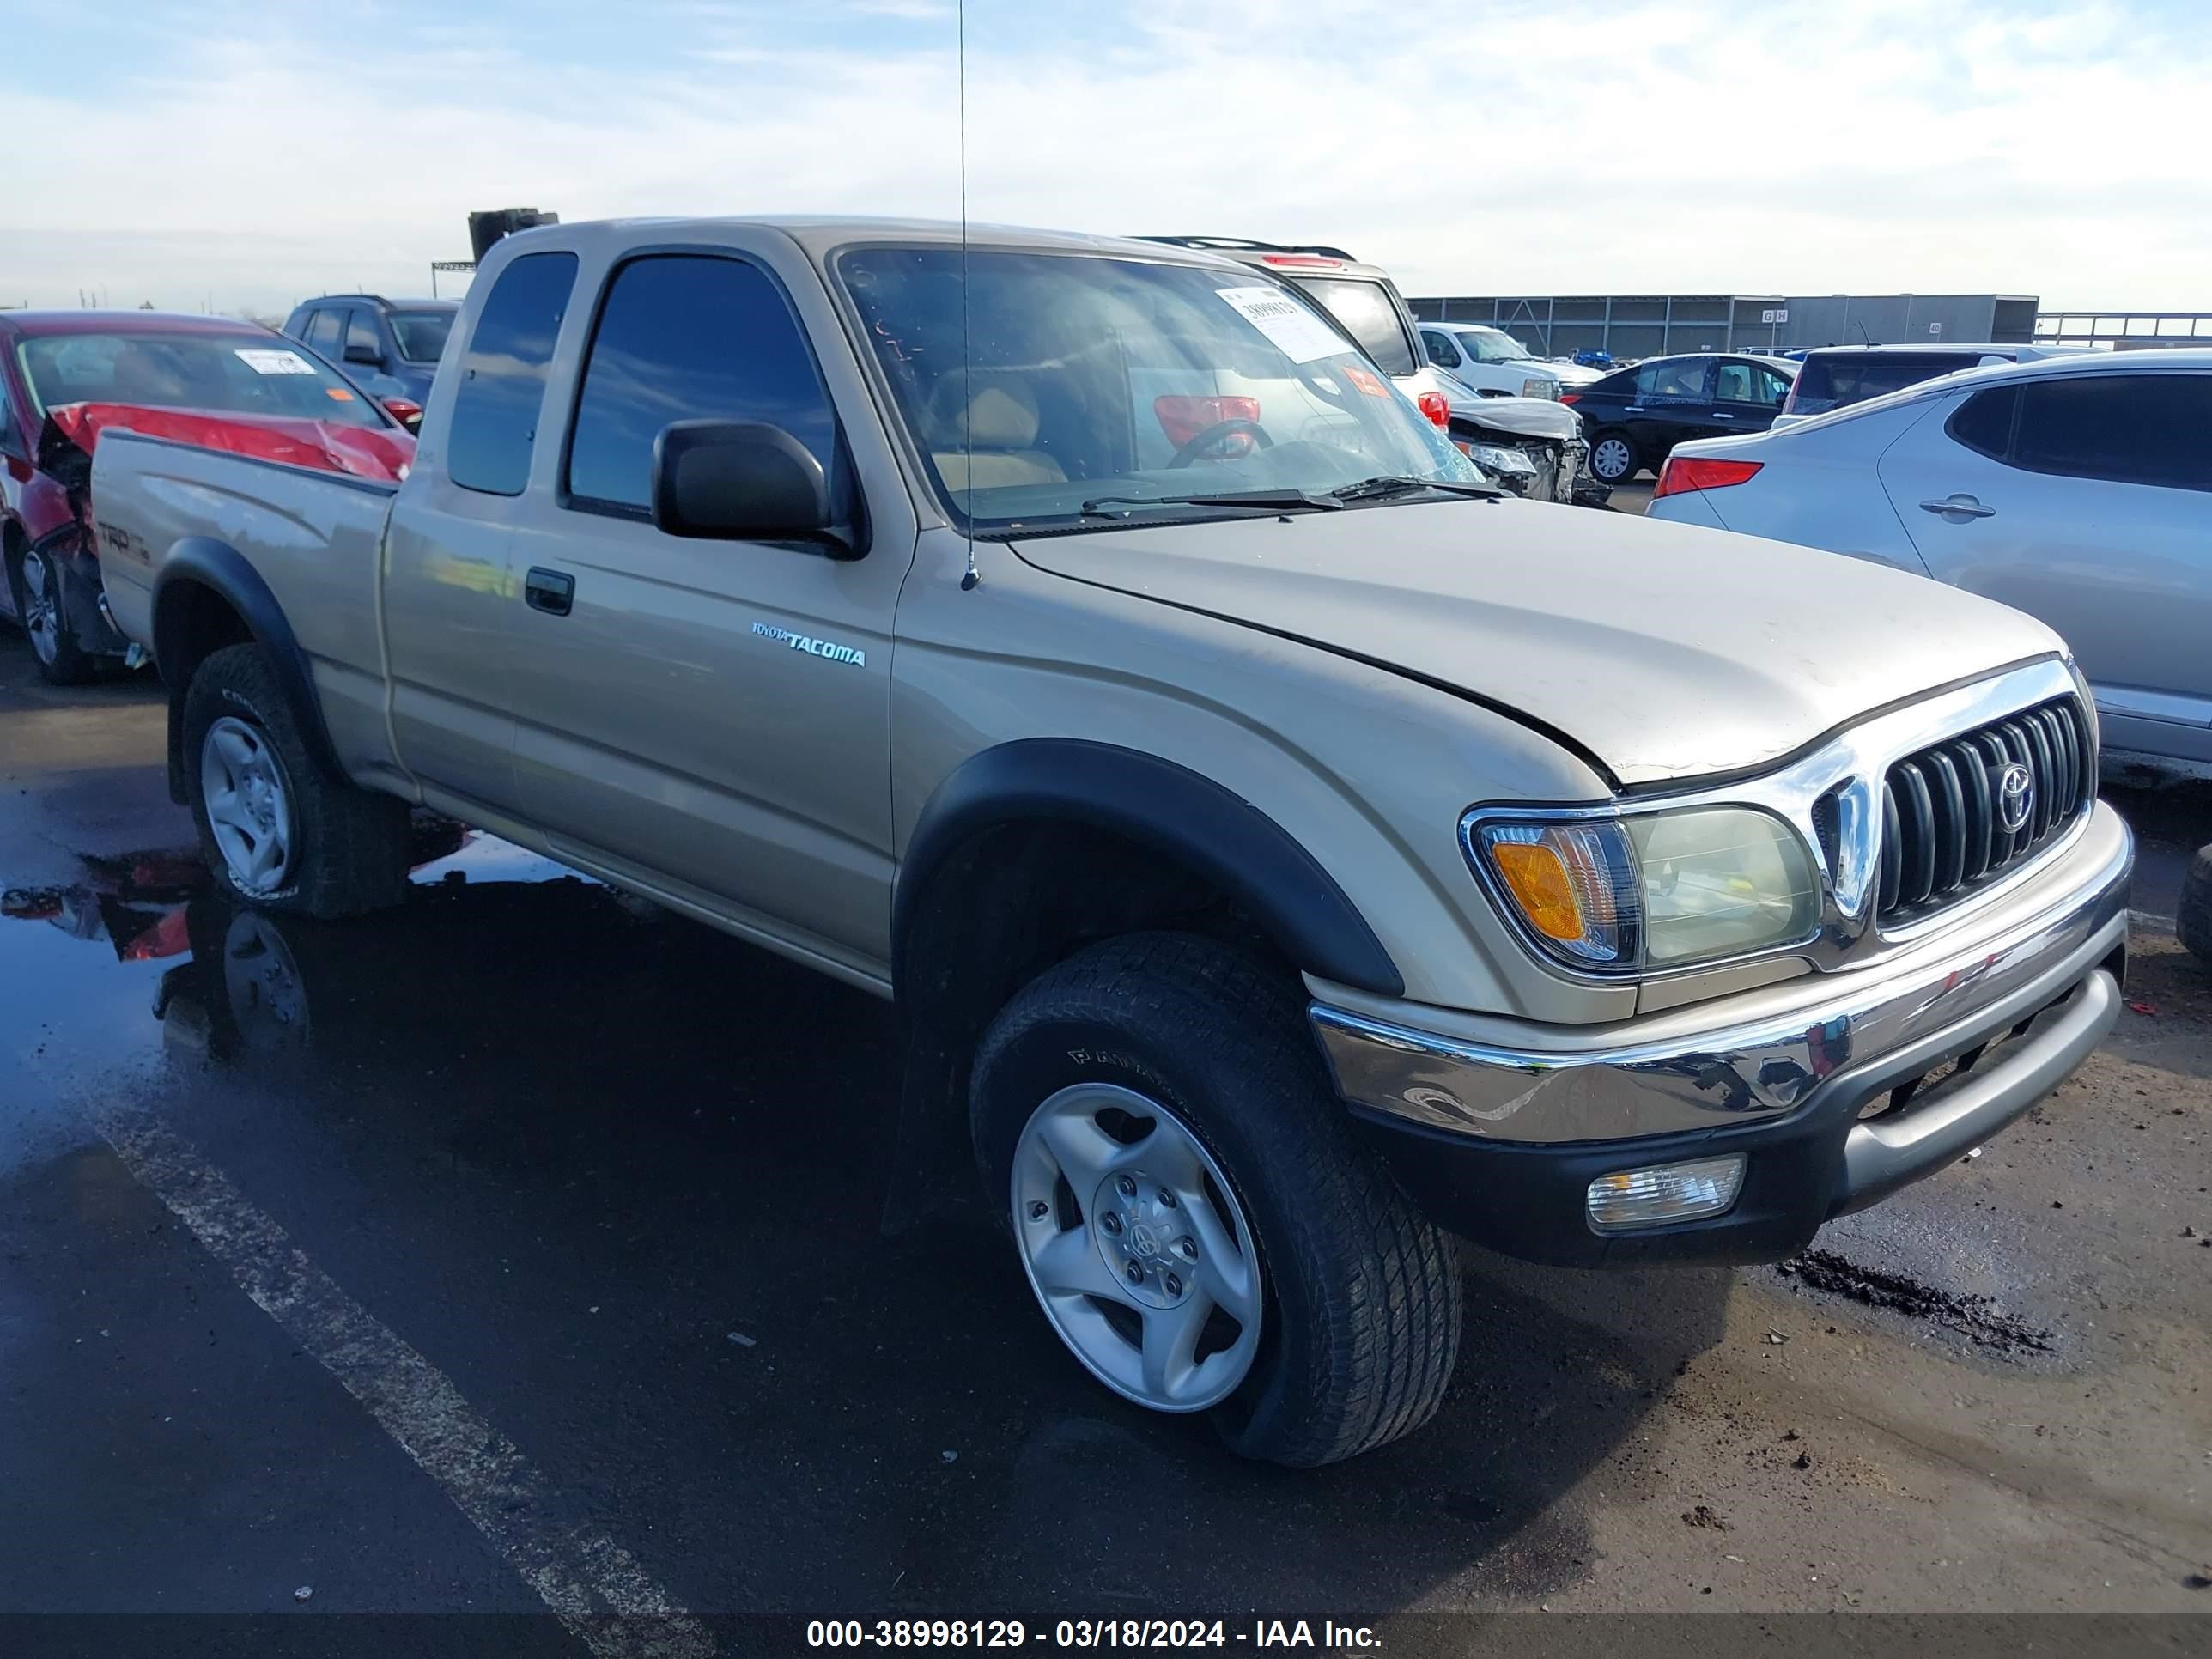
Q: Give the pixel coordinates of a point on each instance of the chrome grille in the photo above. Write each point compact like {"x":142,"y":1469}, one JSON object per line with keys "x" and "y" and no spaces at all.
{"x":1944,"y":810}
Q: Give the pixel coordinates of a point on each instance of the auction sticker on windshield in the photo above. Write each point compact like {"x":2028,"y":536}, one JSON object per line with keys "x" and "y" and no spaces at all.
{"x":1302,"y":335}
{"x":274,"y":362}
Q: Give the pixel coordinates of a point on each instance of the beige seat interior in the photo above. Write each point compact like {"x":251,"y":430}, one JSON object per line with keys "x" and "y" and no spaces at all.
{"x":992,"y":447}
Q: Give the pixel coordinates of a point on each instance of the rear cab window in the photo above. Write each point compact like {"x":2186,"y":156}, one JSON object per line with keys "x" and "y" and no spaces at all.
{"x":496,"y":412}
{"x":688,"y":336}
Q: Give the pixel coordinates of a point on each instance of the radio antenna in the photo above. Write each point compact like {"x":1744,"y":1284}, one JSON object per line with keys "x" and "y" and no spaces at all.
{"x":972,"y":577}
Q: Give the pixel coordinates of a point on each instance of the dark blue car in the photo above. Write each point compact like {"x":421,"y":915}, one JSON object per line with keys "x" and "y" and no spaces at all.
{"x":389,"y":348}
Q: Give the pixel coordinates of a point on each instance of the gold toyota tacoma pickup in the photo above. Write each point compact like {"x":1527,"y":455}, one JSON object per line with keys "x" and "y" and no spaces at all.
{"x":1283,"y":851}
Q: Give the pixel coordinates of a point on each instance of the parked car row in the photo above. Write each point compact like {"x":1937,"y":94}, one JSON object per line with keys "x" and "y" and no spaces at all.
{"x":1503,"y":421}
{"x":2077,"y":488}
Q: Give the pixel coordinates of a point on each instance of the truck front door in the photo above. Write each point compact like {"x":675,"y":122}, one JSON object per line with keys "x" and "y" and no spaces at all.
{"x":710,"y":718}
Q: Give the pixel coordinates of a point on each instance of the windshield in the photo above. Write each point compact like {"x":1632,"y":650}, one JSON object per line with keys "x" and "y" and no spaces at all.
{"x":1827,"y":383}
{"x":1370,"y":315}
{"x":242,"y":373}
{"x":422,"y":334}
{"x":1093,"y":378}
{"x":1490,"y":345}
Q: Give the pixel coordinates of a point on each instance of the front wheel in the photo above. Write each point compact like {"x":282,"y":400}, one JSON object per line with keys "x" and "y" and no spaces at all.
{"x":2193,"y":915}
{"x":1614,"y":458}
{"x":41,"y":600}
{"x":1191,"y":1212}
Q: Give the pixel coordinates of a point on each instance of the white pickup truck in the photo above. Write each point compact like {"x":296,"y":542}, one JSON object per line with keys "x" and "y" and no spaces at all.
{"x":1284,"y":848}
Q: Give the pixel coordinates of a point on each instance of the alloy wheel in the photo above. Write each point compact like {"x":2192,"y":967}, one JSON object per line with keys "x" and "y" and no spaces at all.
{"x":1612,"y":460}
{"x":1137,"y":1247}
{"x":249,"y":805}
{"x":42,"y":607}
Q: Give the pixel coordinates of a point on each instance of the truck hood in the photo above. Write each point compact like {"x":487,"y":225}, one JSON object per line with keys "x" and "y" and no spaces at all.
{"x":1571,"y":373}
{"x":1664,"y":651}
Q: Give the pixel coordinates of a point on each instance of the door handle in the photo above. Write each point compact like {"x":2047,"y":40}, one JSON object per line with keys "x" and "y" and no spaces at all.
{"x":1957,"y":509}
{"x":550,"y":590}
{"x":1723,"y":414}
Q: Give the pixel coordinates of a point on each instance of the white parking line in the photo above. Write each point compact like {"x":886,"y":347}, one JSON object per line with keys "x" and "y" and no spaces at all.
{"x":594,"y":1585}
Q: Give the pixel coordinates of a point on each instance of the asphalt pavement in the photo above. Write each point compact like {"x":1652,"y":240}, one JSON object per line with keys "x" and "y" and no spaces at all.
{"x":518,"y":1249}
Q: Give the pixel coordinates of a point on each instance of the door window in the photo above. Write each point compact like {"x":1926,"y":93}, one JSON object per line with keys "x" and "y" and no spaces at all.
{"x":360,"y":331}
{"x":1735,"y":381}
{"x":1673,"y":380}
{"x":682,"y":338}
{"x":1370,"y":315}
{"x":1983,"y":423}
{"x":1441,"y":352}
{"x":2126,"y":429}
{"x":322,"y":334}
{"x":495,"y":412}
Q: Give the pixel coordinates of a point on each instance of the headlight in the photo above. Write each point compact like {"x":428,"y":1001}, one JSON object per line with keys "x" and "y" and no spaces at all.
{"x":1543,"y":388}
{"x":1652,"y":890}
{"x":1498,"y":458}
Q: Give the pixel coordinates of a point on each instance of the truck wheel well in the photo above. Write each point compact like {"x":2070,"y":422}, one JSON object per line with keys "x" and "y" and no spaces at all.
{"x":1000,"y":907}
{"x":192,"y":623}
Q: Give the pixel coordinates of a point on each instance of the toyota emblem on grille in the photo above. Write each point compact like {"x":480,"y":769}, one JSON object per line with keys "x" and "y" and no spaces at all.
{"x":2015,"y":798}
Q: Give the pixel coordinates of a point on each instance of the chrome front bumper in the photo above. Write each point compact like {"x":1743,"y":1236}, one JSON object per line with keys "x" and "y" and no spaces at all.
{"x":1796,"y":1043}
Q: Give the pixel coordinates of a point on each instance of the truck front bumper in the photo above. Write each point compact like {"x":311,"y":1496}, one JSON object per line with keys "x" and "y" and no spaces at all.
{"x":1835,"y":1090}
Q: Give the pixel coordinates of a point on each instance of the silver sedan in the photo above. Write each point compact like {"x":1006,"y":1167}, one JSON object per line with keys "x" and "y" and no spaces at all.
{"x":2079,"y":489}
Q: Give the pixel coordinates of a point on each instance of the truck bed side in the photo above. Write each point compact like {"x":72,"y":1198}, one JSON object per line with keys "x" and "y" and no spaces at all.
{"x":172,"y":515}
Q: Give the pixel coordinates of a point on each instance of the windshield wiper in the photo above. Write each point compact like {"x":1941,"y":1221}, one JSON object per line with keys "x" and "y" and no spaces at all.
{"x":1368,"y":490}
{"x":1261,"y":500}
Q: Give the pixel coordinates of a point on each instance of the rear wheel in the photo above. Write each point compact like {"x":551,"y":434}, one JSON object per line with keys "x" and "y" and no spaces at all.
{"x":1189,"y":1207}
{"x":2193,"y":915}
{"x":1613,"y":458}
{"x":279,"y":829}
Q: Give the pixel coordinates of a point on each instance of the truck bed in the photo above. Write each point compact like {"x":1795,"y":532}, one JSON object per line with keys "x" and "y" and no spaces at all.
{"x":312,"y":538}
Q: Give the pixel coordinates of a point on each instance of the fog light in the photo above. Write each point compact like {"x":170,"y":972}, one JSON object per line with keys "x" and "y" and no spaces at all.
{"x":1673,"y":1192}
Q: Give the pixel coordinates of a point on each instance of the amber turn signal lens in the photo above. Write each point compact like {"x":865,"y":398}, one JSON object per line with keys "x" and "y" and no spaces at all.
{"x":1539,"y":884}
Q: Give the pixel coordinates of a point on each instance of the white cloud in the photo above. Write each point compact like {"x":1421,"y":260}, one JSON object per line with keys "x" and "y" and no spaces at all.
{"x":1647,"y":146}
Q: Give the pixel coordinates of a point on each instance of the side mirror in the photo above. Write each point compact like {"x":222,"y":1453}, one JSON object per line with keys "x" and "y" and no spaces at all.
{"x":357,"y":353}
{"x":739,"y":481}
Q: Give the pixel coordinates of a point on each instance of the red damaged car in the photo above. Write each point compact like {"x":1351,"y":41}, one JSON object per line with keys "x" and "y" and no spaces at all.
{"x":209,"y":381}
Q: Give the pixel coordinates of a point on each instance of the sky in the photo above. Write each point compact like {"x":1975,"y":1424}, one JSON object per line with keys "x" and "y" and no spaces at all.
{"x":240,"y":158}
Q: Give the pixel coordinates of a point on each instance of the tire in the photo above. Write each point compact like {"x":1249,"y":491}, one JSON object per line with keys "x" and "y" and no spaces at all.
{"x":2193,"y":917}
{"x":331,"y":849}
{"x":39,"y":579}
{"x":1358,"y":1297}
{"x":1613,"y":459}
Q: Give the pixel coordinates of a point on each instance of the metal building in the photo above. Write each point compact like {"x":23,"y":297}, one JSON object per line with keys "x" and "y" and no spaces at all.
{"x":1651,"y":324}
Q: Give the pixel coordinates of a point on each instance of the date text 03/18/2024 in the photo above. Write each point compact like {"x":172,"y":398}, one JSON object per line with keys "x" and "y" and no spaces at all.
{"x":1085,"y":1633}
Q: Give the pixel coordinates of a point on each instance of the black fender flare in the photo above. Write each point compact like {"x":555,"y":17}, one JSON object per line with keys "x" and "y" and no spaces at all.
{"x":1166,"y":808}
{"x":223,"y":569}
{"x":946,"y":1001}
